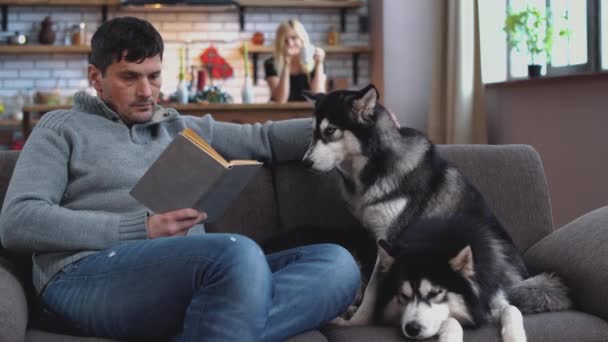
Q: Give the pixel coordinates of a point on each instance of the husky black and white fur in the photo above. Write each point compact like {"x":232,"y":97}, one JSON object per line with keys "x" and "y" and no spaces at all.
{"x":394,"y":181}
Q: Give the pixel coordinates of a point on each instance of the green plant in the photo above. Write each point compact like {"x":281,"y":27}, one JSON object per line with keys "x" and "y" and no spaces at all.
{"x":530,"y":28}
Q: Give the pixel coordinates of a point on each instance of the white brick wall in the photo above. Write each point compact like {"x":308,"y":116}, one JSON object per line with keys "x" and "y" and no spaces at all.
{"x":221,"y":29}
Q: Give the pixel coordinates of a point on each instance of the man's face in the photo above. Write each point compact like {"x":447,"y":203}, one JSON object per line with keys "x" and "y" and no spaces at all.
{"x":130,"y":89}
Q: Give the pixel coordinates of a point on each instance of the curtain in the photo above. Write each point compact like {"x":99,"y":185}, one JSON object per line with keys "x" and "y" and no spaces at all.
{"x":456,"y":111}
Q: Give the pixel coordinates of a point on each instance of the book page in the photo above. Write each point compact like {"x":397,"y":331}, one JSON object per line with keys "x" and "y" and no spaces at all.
{"x":202,"y":144}
{"x":243,"y":162}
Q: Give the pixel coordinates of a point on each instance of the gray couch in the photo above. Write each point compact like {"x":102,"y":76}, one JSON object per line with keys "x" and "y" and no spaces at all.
{"x":511,"y":178}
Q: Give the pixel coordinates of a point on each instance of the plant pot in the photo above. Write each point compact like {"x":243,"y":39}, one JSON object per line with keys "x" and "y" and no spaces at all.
{"x":534,"y":70}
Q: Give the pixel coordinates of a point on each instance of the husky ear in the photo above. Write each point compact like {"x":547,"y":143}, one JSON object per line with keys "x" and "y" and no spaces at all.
{"x":364,"y":104}
{"x":311,"y":97}
{"x":386,"y":259}
{"x":463,"y":262}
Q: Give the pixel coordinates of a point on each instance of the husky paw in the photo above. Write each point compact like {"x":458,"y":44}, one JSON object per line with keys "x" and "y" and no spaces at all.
{"x":451,"y":331}
{"x":339,"y":321}
{"x":350,"y":312}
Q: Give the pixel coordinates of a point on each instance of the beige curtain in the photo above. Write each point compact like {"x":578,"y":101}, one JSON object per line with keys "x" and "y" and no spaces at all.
{"x":457,"y":107}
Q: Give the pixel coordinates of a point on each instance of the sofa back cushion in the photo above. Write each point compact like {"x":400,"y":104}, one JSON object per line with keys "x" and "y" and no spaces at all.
{"x":7,"y":164}
{"x":254,"y":213}
{"x":311,"y":199}
{"x":510,"y":177}
{"x":512,"y":180}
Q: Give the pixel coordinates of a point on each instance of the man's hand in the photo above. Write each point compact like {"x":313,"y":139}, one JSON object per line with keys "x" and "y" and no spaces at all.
{"x":173,"y":223}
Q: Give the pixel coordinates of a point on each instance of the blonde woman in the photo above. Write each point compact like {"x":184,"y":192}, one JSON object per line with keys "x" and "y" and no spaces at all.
{"x":288,"y":72}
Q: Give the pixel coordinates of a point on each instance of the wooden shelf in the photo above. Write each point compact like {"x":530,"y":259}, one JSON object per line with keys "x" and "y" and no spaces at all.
{"x":330,"y":49}
{"x":302,"y":3}
{"x":355,"y":51}
{"x":44,"y":49}
{"x":342,"y":5}
{"x":9,"y":123}
{"x":177,"y":8}
{"x":60,"y":2}
{"x":104,"y":4}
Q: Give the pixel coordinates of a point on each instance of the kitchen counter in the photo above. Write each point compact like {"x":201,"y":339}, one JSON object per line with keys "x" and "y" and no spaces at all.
{"x":231,"y":112}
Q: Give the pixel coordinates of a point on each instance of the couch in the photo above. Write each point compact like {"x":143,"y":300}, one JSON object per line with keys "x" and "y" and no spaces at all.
{"x":280,"y":198}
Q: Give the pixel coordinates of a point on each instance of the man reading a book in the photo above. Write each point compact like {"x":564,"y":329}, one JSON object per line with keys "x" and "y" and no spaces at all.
{"x":104,"y":265}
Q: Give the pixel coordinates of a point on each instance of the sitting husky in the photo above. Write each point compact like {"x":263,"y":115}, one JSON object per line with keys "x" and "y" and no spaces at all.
{"x":393,"y":180}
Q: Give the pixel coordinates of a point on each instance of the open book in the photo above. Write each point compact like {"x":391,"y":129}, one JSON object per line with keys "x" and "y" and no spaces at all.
{"x":189,"y":173}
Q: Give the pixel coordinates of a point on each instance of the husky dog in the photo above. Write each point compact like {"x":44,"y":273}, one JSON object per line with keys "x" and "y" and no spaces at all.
{"x":439,"y":275}
{"x":394,"y":179}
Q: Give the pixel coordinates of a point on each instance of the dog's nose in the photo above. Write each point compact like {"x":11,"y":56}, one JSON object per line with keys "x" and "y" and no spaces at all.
{"x":307,"y":163}
{"x":412,"y":329}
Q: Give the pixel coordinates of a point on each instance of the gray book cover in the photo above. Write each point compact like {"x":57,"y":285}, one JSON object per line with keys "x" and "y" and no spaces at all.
{"x":185,"y":176}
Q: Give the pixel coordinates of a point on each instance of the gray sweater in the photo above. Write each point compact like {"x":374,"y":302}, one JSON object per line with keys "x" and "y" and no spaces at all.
{"x":69,"y":193}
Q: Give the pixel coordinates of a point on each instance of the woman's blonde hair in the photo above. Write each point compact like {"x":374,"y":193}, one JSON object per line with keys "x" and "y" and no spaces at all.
{"x":279,"y":44}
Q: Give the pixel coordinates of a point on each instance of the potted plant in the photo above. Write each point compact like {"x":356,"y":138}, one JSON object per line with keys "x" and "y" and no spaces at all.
{"x":534,"y":30}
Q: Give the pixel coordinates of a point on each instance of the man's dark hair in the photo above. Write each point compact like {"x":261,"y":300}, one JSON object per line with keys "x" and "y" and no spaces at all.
{"x":136,"y":36}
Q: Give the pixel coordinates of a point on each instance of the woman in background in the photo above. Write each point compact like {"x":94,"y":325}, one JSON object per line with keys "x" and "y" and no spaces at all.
{"x":289,"y":71}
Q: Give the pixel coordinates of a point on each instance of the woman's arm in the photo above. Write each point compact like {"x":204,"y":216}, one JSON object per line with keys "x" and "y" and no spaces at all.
{"x":319,"y":79}
{"x":279,"y":85}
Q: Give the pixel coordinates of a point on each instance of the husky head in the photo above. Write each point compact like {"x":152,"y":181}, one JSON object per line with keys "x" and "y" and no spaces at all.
{"x":421,"y":290}
{"x":342,"y":119}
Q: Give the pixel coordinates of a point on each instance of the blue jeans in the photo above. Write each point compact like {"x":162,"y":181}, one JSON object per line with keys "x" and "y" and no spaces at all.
{"x":209,"y":287}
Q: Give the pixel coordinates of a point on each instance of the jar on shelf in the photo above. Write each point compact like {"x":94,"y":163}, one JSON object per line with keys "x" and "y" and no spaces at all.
{"x":79,"y":34}
{"x":333,"y":37}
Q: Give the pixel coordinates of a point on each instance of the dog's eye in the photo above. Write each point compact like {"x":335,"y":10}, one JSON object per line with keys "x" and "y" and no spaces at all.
{"x":330,"y":130}
{"x":403,"y":299}
{"x":434,"y":293}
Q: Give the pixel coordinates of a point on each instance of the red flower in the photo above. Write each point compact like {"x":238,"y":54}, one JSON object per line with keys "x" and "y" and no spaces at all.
{"x":216,"y":65}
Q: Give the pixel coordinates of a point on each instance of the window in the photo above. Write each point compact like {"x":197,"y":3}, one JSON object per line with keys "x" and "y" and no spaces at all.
{"x":576,"y":49}
{"x":604,"y":34}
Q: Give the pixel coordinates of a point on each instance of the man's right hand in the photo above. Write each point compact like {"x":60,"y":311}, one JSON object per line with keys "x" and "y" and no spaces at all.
{"x":173,"y":223}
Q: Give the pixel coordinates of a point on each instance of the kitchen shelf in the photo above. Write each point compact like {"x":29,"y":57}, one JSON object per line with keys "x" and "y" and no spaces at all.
{"x":355,"y":51}
{"x":81,"y":3}
{"x":44,"y":49}
{"x":177,"y":8}
{"x":343,"y":5}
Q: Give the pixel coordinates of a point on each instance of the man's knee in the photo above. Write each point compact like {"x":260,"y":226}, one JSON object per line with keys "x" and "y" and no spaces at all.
{"x":244,"y":260}
{"x":345,"y":271}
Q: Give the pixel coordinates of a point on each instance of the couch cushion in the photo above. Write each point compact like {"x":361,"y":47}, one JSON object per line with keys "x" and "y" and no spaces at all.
{"x":512,"y":180}
{"x":13,"y":304}
{"x":310,"y":336}
{"x":254,"y":213}
{"x":566,"y":326}
{"x":307,"y":198}
{"x":43,"y":336}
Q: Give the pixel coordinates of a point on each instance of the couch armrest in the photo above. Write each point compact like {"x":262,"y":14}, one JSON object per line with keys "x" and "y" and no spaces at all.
{"x":578,"y":253}
{"x":13,"y":305}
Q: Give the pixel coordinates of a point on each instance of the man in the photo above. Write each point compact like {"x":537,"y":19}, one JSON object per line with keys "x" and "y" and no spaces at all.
{"x":105,"y":266}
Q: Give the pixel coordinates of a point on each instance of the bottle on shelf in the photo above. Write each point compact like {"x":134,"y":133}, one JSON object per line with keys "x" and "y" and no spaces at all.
{"x":247,"y":91}
{"x":182,"y":86}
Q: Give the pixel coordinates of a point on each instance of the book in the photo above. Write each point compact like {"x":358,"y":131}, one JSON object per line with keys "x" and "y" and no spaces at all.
{"x":189,"y":173}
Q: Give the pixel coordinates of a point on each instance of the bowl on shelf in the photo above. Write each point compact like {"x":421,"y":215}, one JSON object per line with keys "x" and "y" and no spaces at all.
{"x":50,"y":98}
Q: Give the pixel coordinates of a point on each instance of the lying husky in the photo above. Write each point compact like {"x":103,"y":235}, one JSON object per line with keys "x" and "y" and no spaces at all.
{"x":440,"y":274}
{"x":394,"y":180}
